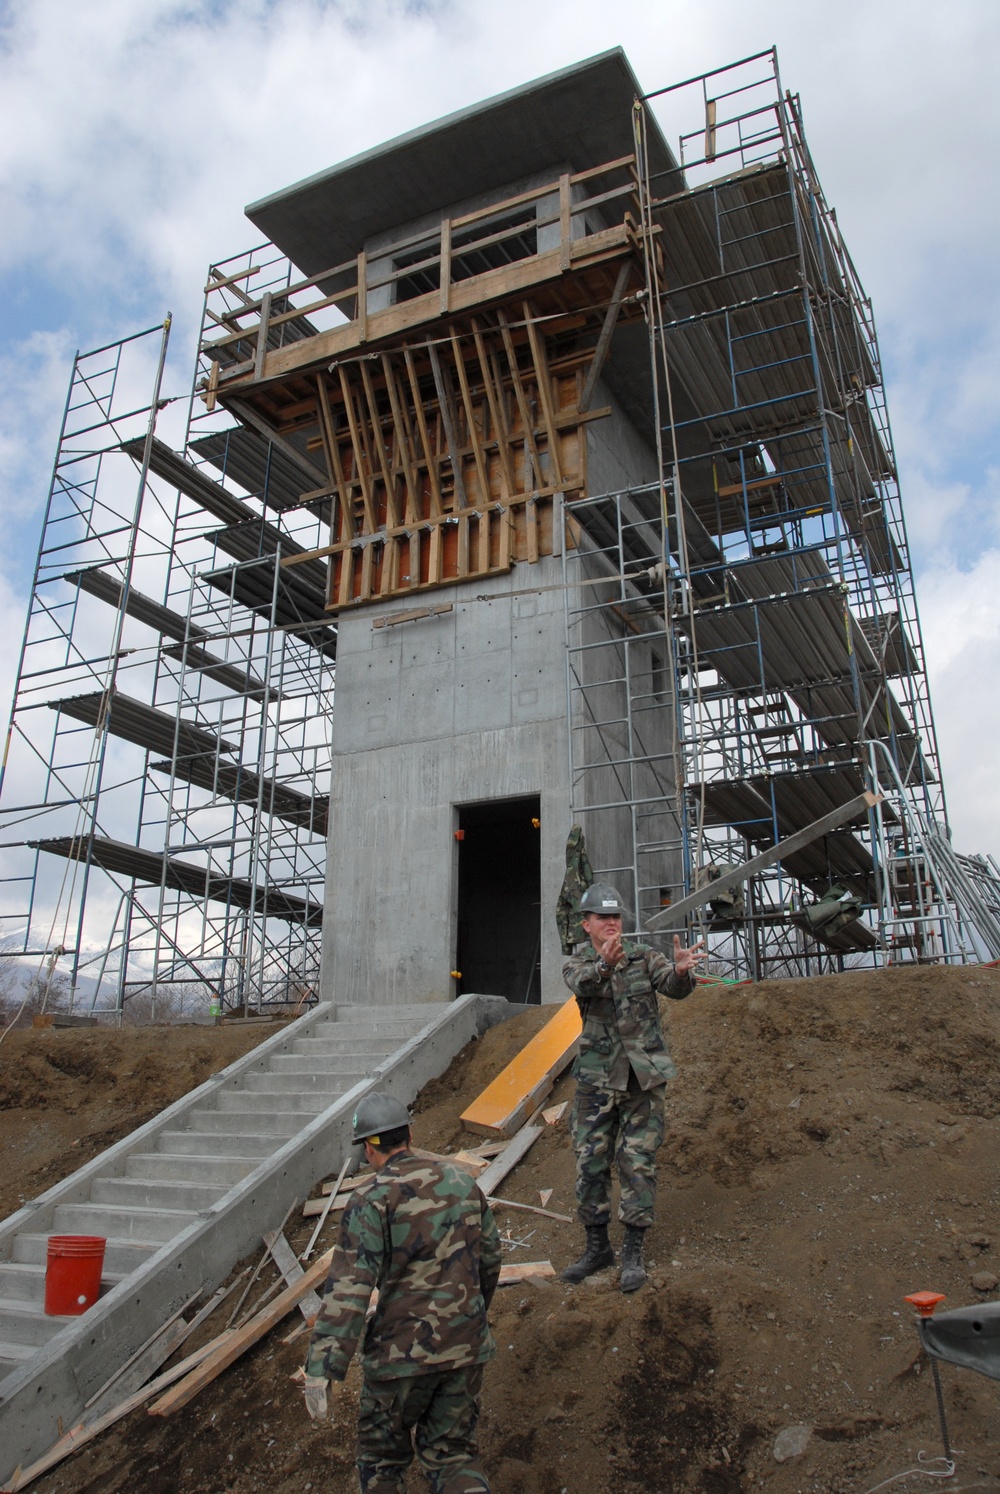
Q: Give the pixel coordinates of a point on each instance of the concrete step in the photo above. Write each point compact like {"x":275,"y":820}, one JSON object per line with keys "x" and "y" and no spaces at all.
{"x":219,"y":1144}
{"x":225,"y":1170}
{"x":250,"y":1102}
{"x":144,"y":1193}
{"x":23,"y":1282}
{"x":323,"y":1063}
{"x":306,"y":1085}
{"x":150,"y":1226}
{"x":329,"y":1041}
{"x":267,"y":1120}
{"x":374,"y":1015}
{"x":28,"y":1323}
{"x":12,"y":1356}
{"x":120,"y":1256}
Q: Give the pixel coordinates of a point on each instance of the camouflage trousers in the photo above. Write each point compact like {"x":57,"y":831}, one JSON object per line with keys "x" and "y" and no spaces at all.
{"x":628,"y":1127}
{"x":437,"y":1413}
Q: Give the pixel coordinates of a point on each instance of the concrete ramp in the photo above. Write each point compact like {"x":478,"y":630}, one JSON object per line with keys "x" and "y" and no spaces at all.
{"x":187,"y":1195}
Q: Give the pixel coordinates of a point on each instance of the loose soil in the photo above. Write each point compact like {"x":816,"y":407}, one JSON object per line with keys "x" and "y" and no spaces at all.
{"x":833,"y":1144}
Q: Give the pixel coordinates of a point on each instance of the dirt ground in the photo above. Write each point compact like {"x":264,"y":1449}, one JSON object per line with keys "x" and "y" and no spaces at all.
{"x":833,"y":1144}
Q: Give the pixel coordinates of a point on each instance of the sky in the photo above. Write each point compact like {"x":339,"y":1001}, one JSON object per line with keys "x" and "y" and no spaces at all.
{"x":132,"y":133}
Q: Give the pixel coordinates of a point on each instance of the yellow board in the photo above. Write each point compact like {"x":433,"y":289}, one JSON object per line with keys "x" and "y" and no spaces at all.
{"x":522,"y":1086}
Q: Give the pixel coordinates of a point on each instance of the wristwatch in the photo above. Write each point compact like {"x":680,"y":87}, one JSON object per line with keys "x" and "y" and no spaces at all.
{"x":603,"y":968}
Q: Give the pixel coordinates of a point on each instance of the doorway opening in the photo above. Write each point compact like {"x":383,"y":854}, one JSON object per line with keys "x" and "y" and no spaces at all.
{"x":499,"y":899}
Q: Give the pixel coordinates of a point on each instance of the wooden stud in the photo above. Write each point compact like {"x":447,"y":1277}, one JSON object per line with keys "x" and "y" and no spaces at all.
{"x":531,"y":526}
{"x":331,"y":447}
{"x":537,"y":345}
{"x":604,"y":340}
{"x":412,"y":504}
{"x":367,"y":571}
{"x":361,"y":316}
{"x":429,"y":454}
{"x":522,"y":402}
{"x":213,"y":385}
{"x":477,"y":445}
{"x":448,"y":420}
{"x":483,"y":555}
{"x":463,"y":545}
{"x":360,"y":457}
{"x":261,"y":353}
{"x":565,"y":223}
{"x":500,"y":426}
{"x":391,"y":506}
{"x":445,"y":297}
{"x":436,"y":553}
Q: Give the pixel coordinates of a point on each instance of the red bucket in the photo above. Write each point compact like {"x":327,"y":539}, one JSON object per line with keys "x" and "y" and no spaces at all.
{"x":73,"y":1273}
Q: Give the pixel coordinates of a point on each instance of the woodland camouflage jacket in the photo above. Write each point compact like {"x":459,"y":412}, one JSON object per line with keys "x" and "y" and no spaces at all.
{"x":621,"y":1020}
{"x":423,"y":1234}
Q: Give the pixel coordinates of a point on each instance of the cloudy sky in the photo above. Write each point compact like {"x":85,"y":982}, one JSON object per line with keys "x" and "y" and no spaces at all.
{"x":132,"y":132}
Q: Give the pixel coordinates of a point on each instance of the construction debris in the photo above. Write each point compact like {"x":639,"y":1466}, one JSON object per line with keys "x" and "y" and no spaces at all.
{"x":520,"y":1088}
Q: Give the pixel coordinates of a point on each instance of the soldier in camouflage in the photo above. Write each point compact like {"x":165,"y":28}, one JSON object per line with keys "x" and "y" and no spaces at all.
{"x":621,"y":1073}
{"x":422,"y":1234}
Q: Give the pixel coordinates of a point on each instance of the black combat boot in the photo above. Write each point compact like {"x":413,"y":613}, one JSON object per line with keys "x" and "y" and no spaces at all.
{"x":597,"y":1255}
{"x":633,"y":1271}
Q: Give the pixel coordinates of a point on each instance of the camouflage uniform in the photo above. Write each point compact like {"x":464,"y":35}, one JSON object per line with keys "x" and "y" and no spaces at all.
{"x":422,"y":1233}
{"x":621,"y":1073}
{"x":578,"y":878}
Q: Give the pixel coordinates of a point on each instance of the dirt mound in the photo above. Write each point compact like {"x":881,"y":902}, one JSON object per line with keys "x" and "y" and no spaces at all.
{"x":67,"y":1093}
{"x":832,"y":1145}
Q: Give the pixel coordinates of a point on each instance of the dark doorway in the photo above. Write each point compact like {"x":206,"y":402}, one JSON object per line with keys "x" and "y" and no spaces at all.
{"x":499,"y":899}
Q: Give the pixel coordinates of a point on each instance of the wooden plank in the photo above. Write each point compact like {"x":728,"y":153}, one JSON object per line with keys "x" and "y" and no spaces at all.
{"x":230,"y":1346}
{"x":430,"y":456}
{"x":522,"y":403}
{"x":508,"y":1203}
{"x":555,"y":1113}
{"x":360,"y":454}
{"x":392,"y":517}
{"x":604,"y":340}
{"x":531,"y":527}
{"x":524,"y":1271}
{"x":527,"y":1079}
{"x":493,"y":398}
{"x":491,"y":1177}
{"x":86,"y":1431}
{"x":331,"y":447}
{"x":448,"y":419}
{"x":411,"y":505}
{"x":463,"y":546}
{"x":361,"y":308}
{"x":470,"y":420}
{"x":544,"y":382}
{"x":832,"y":821}
{"x":565,"y":222}
{"x":284,"y":1258}
{"x":483,"y":543}
{"x":444,"y":300}
{"x":261,"y":352}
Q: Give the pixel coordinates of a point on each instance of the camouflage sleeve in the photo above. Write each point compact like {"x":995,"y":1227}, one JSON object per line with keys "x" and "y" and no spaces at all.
{"x":665,"y":978}
{"x":584,"y":979}
{"x":357,"y":1264}
{"x":489,"y":1254}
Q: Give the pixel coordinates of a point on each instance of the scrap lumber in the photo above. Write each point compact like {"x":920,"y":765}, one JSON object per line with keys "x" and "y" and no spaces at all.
{"x":508,"y":1203}
{"x":555,"y":1113}
{"x":284,"y":1258}
{"x":525,"y":1271}
{"x":508,"y":1159}
{"x":342,"y":1185}
{"x":86,"y":1431}
{"x":330,"y":1203}
{"x":521,"y":1087}
{"x":231,"y":1346}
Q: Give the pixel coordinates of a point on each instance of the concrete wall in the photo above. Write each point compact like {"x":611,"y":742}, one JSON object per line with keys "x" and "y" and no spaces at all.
{"x":429,"y":715}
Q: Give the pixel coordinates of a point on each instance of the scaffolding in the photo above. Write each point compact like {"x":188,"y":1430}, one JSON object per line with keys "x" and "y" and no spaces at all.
{"x":743,"y":645}
{"x":168,"y":738}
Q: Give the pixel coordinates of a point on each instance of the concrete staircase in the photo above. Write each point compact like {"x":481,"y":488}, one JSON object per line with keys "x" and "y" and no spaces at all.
{"x":163,"y":1190}
{"x":191,"y":1192}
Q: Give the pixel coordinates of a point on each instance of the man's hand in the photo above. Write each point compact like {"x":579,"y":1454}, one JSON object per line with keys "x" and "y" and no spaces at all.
{"x":316,"y":1391}
{"x":612,"y":953}
{"x":686,"y":960}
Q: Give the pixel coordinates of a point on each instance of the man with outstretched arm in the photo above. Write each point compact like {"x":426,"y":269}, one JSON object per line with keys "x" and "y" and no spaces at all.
{"x":621,"y":1073}
{"x":423,"y":1235}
